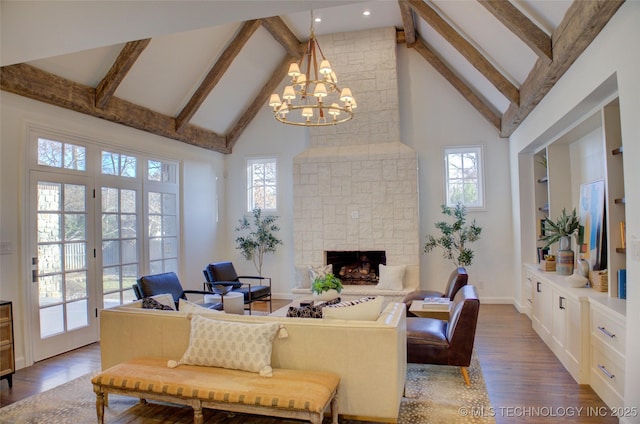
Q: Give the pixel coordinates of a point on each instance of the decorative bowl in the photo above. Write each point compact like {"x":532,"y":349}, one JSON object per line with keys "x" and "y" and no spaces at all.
{"x":221,"y":289}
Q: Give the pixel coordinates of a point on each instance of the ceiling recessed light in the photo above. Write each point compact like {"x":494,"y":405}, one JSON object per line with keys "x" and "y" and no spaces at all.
{"x":318,"y":19}
{"x":366,"y":13}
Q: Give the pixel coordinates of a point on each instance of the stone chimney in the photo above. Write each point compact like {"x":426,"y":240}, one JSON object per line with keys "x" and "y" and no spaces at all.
{"x":356,"y":187}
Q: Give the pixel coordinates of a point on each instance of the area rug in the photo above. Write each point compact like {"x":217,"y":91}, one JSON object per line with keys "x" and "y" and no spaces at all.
{"x":433,"y":394}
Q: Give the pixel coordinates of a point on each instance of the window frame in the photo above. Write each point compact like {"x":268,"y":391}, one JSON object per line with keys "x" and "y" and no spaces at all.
{"x":249,"y":162}
{"x":478,"y":150}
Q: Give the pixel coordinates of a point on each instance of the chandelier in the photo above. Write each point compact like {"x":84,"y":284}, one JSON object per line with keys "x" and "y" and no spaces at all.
{"x":313,"y":92}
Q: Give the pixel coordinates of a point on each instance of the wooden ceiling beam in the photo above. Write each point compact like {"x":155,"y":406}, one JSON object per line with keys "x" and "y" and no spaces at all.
{"x":481,"y":106}
{"x":408,"y":22}
{"x":216,"y":72}
{"x":120,"y":68}
{"x":259,"y":101}
{"x":499,"y":81}
{"x":581,"y":24}
{"x":283,"y":35}
{"x":521,"y":26}
{"x":29,"y":81}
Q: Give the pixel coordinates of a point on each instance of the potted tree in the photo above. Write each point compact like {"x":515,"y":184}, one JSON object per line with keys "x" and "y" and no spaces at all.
{"x":455,"y":236}
{"x":326,"y":288}
{"x":261,"y":238}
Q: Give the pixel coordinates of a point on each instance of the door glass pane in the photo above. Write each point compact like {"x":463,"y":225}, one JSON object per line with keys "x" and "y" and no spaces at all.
{"x":110,"y":253}
{"x":50,"y":290}
{"x":111,"y":279}
{"x":75,"y":227}
{"x":163,"y":231}
{"x":77,"y":315}
{"x":49,"y":228}
{"x":50,"y":258}
{"x":128,"y":226}
{"x":129,"y":251}
{"x":109,"y":199}
{"x":76,"y":285}
{"x":74,"y":198}
{"x":74,"y":256}
{"x":110,"y":226}
{"x":49,"y":195}
{"x":51,"y":321}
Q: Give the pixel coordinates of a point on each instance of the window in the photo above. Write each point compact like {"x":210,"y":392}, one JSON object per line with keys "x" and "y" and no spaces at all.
{"x":262,"y":184}
{"x":464,"y":179}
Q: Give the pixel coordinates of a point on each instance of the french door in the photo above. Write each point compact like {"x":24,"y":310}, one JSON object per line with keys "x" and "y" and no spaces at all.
{"x":99,"y":218}
{"x":63,"y":286}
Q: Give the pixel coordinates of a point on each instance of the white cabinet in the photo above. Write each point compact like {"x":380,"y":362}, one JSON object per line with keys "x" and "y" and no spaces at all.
{"x":561,"y":319}
{"x":608,"y":344}
{"x":584,"y":328}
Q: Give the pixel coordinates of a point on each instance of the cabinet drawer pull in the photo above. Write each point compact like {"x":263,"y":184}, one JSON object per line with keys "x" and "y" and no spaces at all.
{"x":560,"y":303}
{"x":538,"y":283}
{"x":607,"y":332}
{"x":530,"y":301}
{"x":606,"y":372}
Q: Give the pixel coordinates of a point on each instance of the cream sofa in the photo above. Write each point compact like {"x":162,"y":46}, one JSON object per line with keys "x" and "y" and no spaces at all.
{"x":369,"y":356}
{"x":410,"y":283}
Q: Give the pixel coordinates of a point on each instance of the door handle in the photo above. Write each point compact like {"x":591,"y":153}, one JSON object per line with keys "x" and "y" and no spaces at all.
{"x":34,"y":272}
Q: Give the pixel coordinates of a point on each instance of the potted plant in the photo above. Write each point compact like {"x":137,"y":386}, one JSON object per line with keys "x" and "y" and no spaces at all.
{"x":261,"y":238}
{"x":327,"y":287}
{"x":455,"y":236}
{"x":561,"y":231}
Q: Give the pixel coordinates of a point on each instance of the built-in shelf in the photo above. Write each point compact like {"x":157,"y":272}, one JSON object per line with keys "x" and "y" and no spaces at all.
{"x":543,"y":179}
{"x":620,"y":201}
{"x":617,"y":151}
{"x":621,"y":249}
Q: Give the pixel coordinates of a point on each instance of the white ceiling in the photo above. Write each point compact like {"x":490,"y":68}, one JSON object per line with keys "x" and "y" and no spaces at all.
{"x":80,"y":41}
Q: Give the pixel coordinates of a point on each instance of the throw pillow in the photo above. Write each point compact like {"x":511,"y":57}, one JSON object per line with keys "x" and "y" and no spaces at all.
{"x":194,"y":308}
{"x":391,"y":277}
{"x":319,"y":271}
{"x":364,"y":309}
{"x":234,"y":345}
{"x":310,"y":311}
{"x":151,"y":303}
{"x":302,"y":277}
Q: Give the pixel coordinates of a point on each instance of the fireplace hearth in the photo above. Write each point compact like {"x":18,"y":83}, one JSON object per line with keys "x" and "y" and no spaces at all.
{"x":357,"y":267}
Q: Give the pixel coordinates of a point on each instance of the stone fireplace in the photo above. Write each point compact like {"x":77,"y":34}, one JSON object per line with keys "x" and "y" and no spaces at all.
{"x":356,"y":187}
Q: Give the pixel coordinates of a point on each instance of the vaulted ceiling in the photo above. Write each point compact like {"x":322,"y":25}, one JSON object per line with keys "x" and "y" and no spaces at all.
{"x":201,"y":81}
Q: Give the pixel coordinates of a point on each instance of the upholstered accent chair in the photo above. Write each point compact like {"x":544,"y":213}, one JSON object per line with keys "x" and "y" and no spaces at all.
{"x":224,"y":273}
{"x":457,"y":279}
{"x":434,"y":341}
{"x":168,"y":282}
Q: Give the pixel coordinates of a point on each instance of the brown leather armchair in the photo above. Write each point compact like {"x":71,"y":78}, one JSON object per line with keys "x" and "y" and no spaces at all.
{"x":434,"y":341}
{"x":457,"y":279}
{"x":224,"y":273}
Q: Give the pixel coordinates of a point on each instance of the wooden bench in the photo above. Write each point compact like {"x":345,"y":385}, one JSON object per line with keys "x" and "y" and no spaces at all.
{"x":304,"y":395}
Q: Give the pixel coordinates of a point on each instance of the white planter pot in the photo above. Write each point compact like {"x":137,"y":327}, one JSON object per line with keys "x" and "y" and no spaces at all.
{"x":326,"y":295}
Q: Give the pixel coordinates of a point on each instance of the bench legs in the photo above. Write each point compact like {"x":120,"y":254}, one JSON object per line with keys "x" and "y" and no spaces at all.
{"x":99,"y":404}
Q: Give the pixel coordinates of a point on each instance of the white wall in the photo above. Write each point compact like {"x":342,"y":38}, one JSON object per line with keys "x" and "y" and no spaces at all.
{"x":433,"y":116}
{"x":577,"y":93}
{"x":198,"y":179}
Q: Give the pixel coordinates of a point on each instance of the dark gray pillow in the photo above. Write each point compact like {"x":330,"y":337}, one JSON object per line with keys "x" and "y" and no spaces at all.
{"x":150,"y":303}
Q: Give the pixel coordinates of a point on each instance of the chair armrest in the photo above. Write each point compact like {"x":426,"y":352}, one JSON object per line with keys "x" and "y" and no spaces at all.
{"x":256,"y":278}
{"x":197,"y":291}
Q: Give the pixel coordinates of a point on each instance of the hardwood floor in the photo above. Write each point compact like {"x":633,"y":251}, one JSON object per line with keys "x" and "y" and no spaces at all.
{"x":525,"y":381}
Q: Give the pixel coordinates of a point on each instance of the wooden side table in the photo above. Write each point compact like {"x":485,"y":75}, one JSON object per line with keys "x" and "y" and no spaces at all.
{"x":7,"y":352}
{"x":416,"y":308}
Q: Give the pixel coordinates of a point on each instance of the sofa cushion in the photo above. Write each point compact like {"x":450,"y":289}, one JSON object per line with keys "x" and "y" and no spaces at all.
{"x":365,"y":309}
{"x":232,"y":345}
{"x":391,"y":277}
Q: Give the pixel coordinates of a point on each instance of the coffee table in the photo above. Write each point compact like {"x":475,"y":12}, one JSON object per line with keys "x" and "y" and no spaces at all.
{"x":417,"y":308}
{"x":232,"y":302}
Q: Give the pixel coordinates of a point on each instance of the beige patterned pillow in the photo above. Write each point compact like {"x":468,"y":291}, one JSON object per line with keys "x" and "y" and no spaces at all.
{"x":233,"y":345}
{"x":319,"y":271}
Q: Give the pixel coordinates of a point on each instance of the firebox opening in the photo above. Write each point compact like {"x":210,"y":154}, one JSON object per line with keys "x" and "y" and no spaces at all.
{"x":357,"y":267}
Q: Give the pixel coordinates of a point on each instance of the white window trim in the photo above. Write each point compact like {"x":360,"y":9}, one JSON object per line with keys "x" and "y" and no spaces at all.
{"x":481,"y":174}
{"x":261,"y":159}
